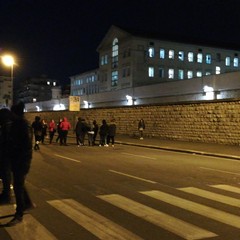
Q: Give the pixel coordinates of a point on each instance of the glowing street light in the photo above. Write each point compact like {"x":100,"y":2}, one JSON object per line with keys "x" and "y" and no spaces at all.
{"x":8,"y":61}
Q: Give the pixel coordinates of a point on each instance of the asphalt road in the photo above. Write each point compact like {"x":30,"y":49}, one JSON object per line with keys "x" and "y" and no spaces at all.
{"x":127,"y":193}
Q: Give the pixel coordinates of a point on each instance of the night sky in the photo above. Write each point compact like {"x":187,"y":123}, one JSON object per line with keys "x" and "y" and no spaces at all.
{"x":60,"y":38}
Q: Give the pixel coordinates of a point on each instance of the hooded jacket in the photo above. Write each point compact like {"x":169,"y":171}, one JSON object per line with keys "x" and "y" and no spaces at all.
{"x":65,"y":125}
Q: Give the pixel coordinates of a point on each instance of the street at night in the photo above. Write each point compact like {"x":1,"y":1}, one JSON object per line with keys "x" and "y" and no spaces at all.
{"x":128,"y":192}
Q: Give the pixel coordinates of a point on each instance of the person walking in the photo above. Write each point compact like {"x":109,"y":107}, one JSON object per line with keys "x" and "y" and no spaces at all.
{"x":111,"y":132}
{"x":18,"y":152}
{"x":37,"y":130}
{"x":80,"y":130}
{"x":52,"y":130}
{"x":59,"y":130}
{"x":44,"y":130}
{"x":103,"y":132}
{"x":141,"y":127}
{"x":65,"y":126}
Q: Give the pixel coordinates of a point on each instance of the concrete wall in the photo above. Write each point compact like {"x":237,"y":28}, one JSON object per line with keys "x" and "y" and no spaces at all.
{"x":217,"y":122}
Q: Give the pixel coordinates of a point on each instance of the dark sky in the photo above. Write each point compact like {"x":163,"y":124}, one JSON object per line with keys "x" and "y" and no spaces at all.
{"x":59,"y":38}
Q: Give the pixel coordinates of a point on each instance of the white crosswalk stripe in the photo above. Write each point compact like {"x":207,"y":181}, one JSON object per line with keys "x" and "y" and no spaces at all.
{"x":96,"y":224}
{"x":106,"y":229}
{"x":180,"y":228}
{"x":29,"y":229}
{"x":200,"y":209}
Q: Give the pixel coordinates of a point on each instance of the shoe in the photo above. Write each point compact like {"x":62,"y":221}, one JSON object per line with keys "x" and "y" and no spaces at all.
{"x":112,"y":145}
{"x":17,"y":219}
{"x":106,"y":145}
{"x":141,"y":138}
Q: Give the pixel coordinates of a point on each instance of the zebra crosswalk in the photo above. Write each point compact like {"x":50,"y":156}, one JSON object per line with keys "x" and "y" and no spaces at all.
{"x":107,"y":229}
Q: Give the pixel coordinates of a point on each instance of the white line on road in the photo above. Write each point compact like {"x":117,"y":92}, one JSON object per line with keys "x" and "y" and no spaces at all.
{"x":165,"y":221}
{"x":131,"y":176}
{"x":209,"y":212}
{"x":96,"y":224}
{"x":216,"y":170}
{"x":135,"y":155}
{"x":227,"y":188}
{"x":71,"y":159}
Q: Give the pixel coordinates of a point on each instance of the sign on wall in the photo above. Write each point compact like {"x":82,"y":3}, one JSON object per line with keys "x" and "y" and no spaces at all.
{"x":74,"y":103}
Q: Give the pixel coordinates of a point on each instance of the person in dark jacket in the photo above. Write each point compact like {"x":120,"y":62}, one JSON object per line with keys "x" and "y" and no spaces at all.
{"x":37,"y":130}
{"x":95,"y":130}
{"x":103,"y":132}
{"x":20,"y":157}
{"x":111,"y":132}
{"x":81,"y":130}
{"x":141,"y":127}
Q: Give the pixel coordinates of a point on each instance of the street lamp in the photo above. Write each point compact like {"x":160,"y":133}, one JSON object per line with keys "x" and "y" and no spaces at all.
{"x":8,"y":61}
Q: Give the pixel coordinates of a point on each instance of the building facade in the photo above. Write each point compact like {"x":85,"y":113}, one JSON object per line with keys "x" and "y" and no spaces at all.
{"x":129,"y":59}
{"x":6,"y":91}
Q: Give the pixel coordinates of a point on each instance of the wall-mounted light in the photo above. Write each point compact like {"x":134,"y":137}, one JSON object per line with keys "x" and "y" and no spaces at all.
{"x":208,"y":92}
{"x":129,"y":100}
{"x":87,"y":104}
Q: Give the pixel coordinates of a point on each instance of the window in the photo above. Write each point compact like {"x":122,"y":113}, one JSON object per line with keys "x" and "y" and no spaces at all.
{"x":181,"y":55}
{"x":199,"y":74}
{"x":161,"y":72}
{"x":115,"y":53}
{"x":235,"y":62}
{"x":151,"y":52}
{"x":151,"y":71}
{"x":162,"y":53}
{"x":199,"y":57}
{"x":171,"y":54}
{"x":218,"y":70}
{"x":208,"y":58}
{"x":114,"y":78}
{"x":189,"y":74}
{"x":190,"y":56}
{"x":171,"y":73}
{"x":180,"y":74}
{"x":227,"y":61}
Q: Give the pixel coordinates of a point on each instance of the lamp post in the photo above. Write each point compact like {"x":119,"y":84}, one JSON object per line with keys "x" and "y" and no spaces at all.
{"x":8,"y":61}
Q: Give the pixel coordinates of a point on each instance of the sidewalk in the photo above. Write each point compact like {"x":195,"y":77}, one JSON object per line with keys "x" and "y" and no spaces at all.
{"x":208,"y":149}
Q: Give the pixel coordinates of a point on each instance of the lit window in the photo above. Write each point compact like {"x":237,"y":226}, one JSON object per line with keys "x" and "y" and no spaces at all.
{"x":218,"y":70}
{"x":161,"y":72}
{"x":151,"y":71}
{"x":227,"y":61}
{"x":181,"y":55}
{"x":199,"y":74}
{"x":189,"y":74}
{"x":235,"y":62}
{"x":151,"y":52}
{"x":180,"y":74}
{"x":208,"y":58}
{"x":162,"y":53}
{"x":114,"y":78}
{"x":115,"y":53}
{"x":171,"y":73}
{"x":171,"y":54}
{"x":190,"y":56}
{"x":199,"y":57}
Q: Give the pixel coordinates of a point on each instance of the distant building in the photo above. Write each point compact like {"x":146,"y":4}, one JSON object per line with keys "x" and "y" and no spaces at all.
{"x":37,"y":89}
{"x":6,"y":91}
{"x":130,"y":59}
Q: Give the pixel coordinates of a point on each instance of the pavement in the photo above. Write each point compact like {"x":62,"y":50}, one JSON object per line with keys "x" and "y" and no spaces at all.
{"x":208,"y":149}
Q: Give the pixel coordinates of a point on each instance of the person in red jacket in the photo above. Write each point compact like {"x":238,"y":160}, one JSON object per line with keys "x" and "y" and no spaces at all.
{"x":64,"y":126}
{"x":52,"y":130}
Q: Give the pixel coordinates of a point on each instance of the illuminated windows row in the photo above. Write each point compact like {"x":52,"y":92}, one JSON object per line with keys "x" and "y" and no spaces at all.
{"x":191,"y":56}
{"x":180,"y":73}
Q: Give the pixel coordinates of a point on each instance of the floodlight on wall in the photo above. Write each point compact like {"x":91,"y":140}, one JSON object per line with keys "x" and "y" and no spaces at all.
{"x":86,"y":104}
{"x":38,"y":108}
{"x":59,"y":107}
{"x":208,"y":92}
{"x":129,"y":100}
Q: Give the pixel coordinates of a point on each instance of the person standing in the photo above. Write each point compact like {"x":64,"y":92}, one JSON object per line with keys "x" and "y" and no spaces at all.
{"x":141,"y":127}
{"x":103,"y":132}
{"x":95,"y":130}
{"x":59,"y":130}
{"x":111,"y":132}
{"x":37,"y":130}
{"x":65,"y":126}
{"x":52,"y":130}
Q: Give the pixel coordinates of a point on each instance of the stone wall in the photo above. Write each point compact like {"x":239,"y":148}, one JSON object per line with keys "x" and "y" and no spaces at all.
{"x":217,"y":122}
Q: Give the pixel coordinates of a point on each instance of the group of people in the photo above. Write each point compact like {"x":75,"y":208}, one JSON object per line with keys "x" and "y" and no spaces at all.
{"x":15,"y":159}
{"x":106,"y":132}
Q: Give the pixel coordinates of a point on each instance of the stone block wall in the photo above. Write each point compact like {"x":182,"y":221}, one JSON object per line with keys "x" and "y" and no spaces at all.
{"x":215,"y":122}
